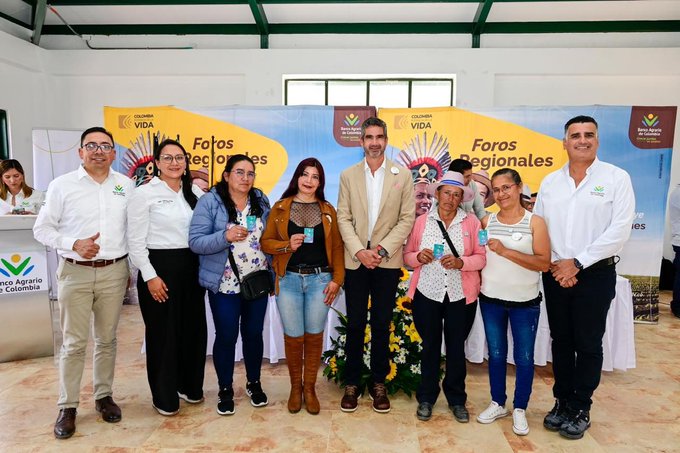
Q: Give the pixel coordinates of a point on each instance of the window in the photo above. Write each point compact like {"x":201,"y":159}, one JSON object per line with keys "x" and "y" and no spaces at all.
{"x":381,"y":93}
{"x":4,"y":136}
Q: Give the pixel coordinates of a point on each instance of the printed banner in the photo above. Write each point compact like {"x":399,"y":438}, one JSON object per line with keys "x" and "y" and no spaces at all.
{"x":638,"y":139}
{"x":23,"y":272}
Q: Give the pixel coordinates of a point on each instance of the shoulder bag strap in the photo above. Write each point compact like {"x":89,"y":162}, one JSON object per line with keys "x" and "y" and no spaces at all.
{"x":448,"y":239}
{"x":234,"y":267}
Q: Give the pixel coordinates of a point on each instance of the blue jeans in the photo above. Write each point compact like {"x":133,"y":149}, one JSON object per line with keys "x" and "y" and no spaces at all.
{"x":300,"y":303}
{"x":227,"y":311}
{"x":524,"y":324}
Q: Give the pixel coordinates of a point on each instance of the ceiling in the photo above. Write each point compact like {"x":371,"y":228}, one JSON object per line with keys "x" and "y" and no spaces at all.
{"x":254,"y":23}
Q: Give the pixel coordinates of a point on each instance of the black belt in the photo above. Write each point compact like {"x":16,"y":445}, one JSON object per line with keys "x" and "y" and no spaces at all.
{"x":604,"y":263}
{"x":308,"y":270}
{"x":95,"y":263}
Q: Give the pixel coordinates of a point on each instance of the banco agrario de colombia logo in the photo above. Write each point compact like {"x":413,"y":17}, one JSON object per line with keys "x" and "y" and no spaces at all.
{"x":119,"y":190}
{"x":652,"y":127}
{"x":351,"y":119}
{"x":598,"y":191}
{"x":17,"y":266}
{"x":650,"y":120}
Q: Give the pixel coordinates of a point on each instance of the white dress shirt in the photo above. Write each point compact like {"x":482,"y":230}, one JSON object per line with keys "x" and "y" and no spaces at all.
{"x":435,"y":281}
{"x":158,"y":218}
{"x":374,"y":187}
{"x":674,"y":214}
{"x":21,"y":201}
{"x":78,"y":207}
{"x":589,"y":222}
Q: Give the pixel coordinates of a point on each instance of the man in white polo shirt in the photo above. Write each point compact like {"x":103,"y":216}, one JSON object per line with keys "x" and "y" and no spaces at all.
{"x":589,"y":207}
{"x":84,"y":219}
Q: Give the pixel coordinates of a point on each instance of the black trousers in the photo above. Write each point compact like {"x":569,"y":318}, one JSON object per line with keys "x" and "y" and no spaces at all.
{"x":381,"y":285}
{"x":428,"y":316}
{"x":176,"y":333}
{"x":578,"y":317}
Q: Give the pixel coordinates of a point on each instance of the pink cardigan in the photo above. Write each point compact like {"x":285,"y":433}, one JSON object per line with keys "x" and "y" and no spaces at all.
{"x":473,"y":260}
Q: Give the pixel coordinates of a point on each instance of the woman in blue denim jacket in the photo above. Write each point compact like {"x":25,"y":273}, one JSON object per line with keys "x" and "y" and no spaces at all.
{"x":232,"y":217}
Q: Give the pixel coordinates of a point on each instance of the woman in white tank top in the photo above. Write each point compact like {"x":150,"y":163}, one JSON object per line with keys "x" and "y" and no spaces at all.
{"x":518,"y":250}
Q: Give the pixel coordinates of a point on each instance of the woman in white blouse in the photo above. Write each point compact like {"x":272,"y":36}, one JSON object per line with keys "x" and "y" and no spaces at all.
{"x":446,"y":257}
{"x":170,"y":297}
{"x":16,"y":197}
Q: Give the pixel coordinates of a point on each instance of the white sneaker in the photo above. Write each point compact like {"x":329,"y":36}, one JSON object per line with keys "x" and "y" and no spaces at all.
{"x":165,"y":413}
{"x":519,"y":422}
{"x":491,"y":413}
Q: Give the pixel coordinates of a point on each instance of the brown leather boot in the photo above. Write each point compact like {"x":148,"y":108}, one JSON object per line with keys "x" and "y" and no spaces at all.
{"x":313,"y":350}
{"x":294,"y":347}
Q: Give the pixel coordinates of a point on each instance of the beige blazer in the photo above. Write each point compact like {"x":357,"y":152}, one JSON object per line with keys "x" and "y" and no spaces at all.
{"x":395,"y":217}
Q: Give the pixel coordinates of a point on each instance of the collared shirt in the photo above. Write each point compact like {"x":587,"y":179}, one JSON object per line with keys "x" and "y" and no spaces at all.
{"x":674,"y":214}
{"x":435,"y":281}
{"x":589,"y":222}
{"x":374,"y":187}
{"x":22,"y":202}
{"x":78,"y":207}
{"x":158,"y":218}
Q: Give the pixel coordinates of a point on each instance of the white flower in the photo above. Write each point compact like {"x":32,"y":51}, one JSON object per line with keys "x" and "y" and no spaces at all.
{"x":415,"y":368}
{"x":340,"y":353}
{"x":400,"y":359}
{"x":342,"y":338}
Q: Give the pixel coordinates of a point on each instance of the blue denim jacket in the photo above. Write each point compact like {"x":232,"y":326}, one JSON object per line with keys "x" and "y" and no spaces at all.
{"x":207,"y":236}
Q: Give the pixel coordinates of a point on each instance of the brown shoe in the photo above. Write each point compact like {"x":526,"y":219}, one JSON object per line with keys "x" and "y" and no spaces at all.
{"x":294,"y":360}
{"x":378,"y":393}
{"x":65,"y":425}
{"x":313,"y":350}
{"x":350,"y":400}
{"x":109,"y":410}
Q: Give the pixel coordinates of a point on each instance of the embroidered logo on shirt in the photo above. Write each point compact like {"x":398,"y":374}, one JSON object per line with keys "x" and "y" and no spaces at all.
{"x":598,"y":191}
{"x":119,"y":190}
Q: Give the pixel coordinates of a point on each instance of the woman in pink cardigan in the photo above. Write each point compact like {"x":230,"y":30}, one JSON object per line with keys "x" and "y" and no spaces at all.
{"x":446,"y":257}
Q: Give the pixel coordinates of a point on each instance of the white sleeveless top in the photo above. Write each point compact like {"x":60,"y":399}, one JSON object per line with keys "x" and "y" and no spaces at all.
{"x":501,"y":278}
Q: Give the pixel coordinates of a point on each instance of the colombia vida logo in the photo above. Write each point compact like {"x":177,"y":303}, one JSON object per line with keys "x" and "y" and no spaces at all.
{"x":17,"y":267}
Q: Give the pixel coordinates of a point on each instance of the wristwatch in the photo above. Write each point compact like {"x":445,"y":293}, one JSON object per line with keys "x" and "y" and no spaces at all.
{"x":382,"y":252}
{"x":578,"y":264}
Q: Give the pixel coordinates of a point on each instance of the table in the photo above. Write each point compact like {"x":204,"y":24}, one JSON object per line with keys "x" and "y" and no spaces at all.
{"x":618,"y":342}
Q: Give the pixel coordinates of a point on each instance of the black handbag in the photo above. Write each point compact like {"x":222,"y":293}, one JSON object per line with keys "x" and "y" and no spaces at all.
{"x":253,"y":285}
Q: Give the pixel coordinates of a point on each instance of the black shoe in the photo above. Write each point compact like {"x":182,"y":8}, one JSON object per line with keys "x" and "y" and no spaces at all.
{"x":576,"y":425}
{"x":225,"y":401}
{"x":557,"y":416}
{"x":109,"y":409}
{"x":257,"y":397}
{"x":460,"y":413}
{"x":65,"y":425}
{"x":424,"y":411}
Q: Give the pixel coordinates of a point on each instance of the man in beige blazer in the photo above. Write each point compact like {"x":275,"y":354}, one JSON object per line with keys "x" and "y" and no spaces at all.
{"x":376,"y":211}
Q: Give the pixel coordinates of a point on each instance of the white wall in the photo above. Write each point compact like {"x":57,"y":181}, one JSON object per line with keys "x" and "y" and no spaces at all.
{"x":68,"y":88}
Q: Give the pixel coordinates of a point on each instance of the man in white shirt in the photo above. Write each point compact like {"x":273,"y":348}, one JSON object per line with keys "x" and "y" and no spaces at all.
{"x":589,"y":206}
{"x":476,"y":205}
{"x":84,"y":219}
{"x":376,"y":211}
{"x":674,"y":213}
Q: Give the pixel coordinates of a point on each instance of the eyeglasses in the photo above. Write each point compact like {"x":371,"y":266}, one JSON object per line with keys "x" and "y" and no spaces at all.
{"x":167,"y":158}
{"x":505,"y":189}
{"x":92,"y":147}
{"x":243,"y":174}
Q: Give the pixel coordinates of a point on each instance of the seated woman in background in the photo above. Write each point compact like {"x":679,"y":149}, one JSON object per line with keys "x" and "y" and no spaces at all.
{"x":303,"y":237}
{"x":446,"y":258}
{"x":170,"y":298}
{"x":15,"y":196}
{"x":230,"y":219}
{"x":518,"y":250}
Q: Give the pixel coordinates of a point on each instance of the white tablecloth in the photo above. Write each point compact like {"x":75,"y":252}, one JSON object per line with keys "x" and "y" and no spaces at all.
{"x":618,"y":342}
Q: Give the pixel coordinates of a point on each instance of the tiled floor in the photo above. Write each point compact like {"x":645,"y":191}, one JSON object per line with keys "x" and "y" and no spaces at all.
{"x":634,"y":411}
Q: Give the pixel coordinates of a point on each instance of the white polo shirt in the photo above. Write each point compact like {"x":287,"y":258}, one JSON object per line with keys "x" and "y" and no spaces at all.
{"x":589,"y":222}
{"x":78,"y":207}
{"x":158,"y":218}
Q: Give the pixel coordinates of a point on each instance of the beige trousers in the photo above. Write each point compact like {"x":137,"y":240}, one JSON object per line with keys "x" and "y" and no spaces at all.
{"x":84,"y":291}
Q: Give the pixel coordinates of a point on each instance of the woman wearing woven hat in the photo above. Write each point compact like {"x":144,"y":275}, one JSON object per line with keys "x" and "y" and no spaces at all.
{"x":446,"y":257}
{"x":519,"y":249}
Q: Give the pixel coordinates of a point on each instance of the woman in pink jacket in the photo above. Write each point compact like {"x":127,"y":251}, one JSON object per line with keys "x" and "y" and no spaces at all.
{"x":446,"y":257}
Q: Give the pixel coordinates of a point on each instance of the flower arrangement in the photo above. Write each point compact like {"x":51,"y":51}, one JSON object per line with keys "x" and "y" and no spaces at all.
{"x":404,"y":347}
